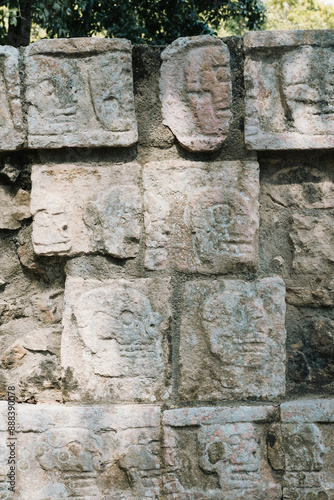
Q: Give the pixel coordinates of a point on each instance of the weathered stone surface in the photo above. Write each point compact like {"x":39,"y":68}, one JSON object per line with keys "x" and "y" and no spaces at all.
{"x":97,"y":452}
{"x":308,"y":410}
{"x":86,"y":209}
{"x":80,"y":93}
{"x":312,"y":297}
{"x":212,"y":459}
{"x":290,"y":72}
{"x":196,"y":91}
{"x":11,"y":123}
{"x":235,"y":319}
{"x":232,"y":340}
{"x":275,"y":447}
{"x":313,"y":242}
{"x":201,"y":216}
{"x":14,"y":208}
{"x":308,"y":453}
{"x":114,"y":339}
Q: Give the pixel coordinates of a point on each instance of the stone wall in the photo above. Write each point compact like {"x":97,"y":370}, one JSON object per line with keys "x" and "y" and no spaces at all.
{"x":167,"y":268}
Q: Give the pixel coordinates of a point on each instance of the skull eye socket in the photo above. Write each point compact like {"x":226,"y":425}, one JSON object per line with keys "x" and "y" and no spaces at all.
{"x":216,"y":452}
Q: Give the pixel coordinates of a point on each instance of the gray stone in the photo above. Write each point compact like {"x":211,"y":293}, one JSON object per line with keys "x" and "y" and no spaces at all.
{"x":232,"y":340}
{"x":308,"y":410}
{"x":14,"y":208}
{"x":196,"y":91}
{"x":114,"y":345}
{"x":289,"y":72}
{"x":11,"y":123}
{"x":96,"y":452}
{"x":201,"y":217}
{"x":86,"y":209}
{"x":208,"y":459}
{"x":80,"y":93}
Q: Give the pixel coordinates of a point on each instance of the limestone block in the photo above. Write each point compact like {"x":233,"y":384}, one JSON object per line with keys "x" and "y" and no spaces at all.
{"x":14,"y":208}
{"x":80,"y":93}
{"x":11,"y":122}
{"x":196,"y":91}
{"x":289,"y":89}
{"x":86,"y":209}
{"x":313,"y":242}
{"x":201,"y":216}
{"x":97,"y":452}
{"x":232,"y":342}
{"x":114,"y":339}
{"x":209,"y":456}
{"x":308,"y":440}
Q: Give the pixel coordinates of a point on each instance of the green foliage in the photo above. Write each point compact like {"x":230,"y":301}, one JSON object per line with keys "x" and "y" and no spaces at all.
{"x":298,"y":14}
{"x":141,"y":21}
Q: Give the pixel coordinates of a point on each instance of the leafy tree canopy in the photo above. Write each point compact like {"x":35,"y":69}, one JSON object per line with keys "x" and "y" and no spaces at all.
{"x":141,"y":21}
{"x":298,"y":14}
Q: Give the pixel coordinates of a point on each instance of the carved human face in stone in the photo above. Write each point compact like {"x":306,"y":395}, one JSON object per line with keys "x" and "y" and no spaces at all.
{"x":208,"y":82}
{"x":236,"y":328}
{"x":50,"y":230}
{"x":112,"y":323}
{"x":308,"y":86}
{"x":232,"y":452}
{"x":303,"y":447}
{"x":218,"y":224}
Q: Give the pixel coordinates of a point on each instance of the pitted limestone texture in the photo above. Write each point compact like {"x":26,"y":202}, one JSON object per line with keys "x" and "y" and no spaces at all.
{"x":118,"y":330}
{"x":210,"y":455}
{"x":80,"y":93}
{"x":196,"y":91}
{"x":12,"y":133}
{"x":14,"y":207}
{"x":232,"y":340}
{"x":201,"y":217}
{"x":86,"y":209}
{"x":307,"y":432}
{"x":292,"y":73}
{"x":96,"y":452}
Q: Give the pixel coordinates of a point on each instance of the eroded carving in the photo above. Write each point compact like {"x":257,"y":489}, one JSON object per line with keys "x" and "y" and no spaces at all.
{"x":116,"y":329}
{"x":196,"y":91}
{"x":201,"y":217}
{"x":86,"y":100}
{"x":296,"y":79}
{"x":99,"y":210}
{"x":228,"y":328}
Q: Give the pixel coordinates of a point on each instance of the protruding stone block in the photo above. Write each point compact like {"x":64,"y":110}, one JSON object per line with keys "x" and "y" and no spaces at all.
{"x":196,"y":91}
{"x":289,"y":89}
{"x":214,"y":458}
{"x":201,"y":217}
{"x":232,"y":340}
{"x":96,"y":452}
{"x":80,"y":93}
{"x":86,"y":209}
{"x":114,"y":344}
{"x":308,"y":442}
{"x":11,"y":122}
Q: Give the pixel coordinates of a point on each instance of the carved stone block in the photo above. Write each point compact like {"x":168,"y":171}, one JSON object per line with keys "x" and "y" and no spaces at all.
{"x":210,"y":456}
{"x":96,"y":452}
{"x":232,"y":340}
{"x":201,"y":216}
{"x":308,"y":443}
{"x":80,"y":93}
{"x":313,"y":242}
{"x":290,"y":72}
{"x":114,"y":345}
{"x":86,"y":209}
{"x":11,"y":122}
{"x":196,"y":91}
